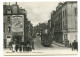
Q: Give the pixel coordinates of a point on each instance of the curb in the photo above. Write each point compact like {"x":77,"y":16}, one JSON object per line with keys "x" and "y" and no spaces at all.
{"x":59,"y":45}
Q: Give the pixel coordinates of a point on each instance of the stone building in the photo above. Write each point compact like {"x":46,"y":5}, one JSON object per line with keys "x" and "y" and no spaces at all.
{"x":15,"y":24}
{"x":64,"y":22}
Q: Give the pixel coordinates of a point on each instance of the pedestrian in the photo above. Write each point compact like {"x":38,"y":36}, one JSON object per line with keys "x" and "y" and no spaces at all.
{"x":20,"y":47}
{"x":33,"y":44}
{"x":29,"y":45}
{"x":17,"y":46}
{"x":10,"y":45}
{"x":65,"y":42}
{"x":75,"y":45}
{"x":13,"y":47}
{"x":70,"y":45}
{"x":24,"y":47}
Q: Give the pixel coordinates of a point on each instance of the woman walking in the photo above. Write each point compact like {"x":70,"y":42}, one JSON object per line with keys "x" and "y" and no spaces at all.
{"x":13,"y":47}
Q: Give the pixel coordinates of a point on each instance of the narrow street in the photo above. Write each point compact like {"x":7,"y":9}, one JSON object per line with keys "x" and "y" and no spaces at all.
{"x":39,"y":46}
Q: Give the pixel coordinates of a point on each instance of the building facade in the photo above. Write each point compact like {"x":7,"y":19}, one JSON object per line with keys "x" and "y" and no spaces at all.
{"x":16,"y":24}
{"x":64,"y":22}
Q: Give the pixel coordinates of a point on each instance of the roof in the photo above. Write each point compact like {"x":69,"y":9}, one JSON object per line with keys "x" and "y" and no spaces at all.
{"x":63,"y":5}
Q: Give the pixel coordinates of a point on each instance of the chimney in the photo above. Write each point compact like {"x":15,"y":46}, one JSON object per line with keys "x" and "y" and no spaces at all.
{"x":59,"y":5}
{"x":16,"y":3}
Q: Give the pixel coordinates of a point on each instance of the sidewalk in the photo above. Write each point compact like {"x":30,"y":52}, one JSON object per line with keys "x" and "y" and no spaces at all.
{"x":59,"y":44}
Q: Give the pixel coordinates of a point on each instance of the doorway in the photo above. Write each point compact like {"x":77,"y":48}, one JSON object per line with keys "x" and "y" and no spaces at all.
{"x":17,"y":39}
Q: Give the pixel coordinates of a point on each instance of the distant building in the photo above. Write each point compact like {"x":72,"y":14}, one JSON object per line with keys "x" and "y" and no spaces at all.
{"x":64,"y":22}
{"x":15,"y":23}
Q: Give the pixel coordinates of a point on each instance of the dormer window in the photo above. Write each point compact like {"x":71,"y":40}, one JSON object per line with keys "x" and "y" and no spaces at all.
{"x":8,"y":11}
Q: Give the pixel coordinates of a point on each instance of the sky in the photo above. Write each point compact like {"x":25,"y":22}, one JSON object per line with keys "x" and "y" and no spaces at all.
{"x":38,"y":12}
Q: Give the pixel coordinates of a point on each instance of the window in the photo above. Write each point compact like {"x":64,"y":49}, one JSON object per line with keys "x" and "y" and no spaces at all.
{"x":61,"y":15}
{"x":65,"y":36}
{"x":65,"y":12}
{"x":75,"y":11}
{"x":9,"y":29}
{"x":60,"y":26}
{"x":4,"y":27}
{"x":8,"y":37}
{"x":75,"y":24}
{"x":8,"y":11}
{"x":8,"y":18}
{"x":63,"y":24}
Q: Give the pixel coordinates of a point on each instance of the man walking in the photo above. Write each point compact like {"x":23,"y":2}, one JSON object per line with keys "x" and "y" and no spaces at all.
{"x":33,"y":44}
{"x":17,"y":46}
{"x":75,"y":45}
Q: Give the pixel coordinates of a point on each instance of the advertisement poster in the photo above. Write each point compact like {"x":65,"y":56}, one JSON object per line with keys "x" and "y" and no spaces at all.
{"x":17,"y":23}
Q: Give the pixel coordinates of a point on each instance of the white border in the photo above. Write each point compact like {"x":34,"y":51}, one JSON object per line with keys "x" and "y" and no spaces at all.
{"x":1,"y":23}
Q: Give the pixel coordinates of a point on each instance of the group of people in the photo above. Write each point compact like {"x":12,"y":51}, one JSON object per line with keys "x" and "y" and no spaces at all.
{"x":21,"y":47}
{"x":73,"y":45}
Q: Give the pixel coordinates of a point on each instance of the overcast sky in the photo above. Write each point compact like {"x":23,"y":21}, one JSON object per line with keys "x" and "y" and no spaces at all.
{"x":38,"y":12}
